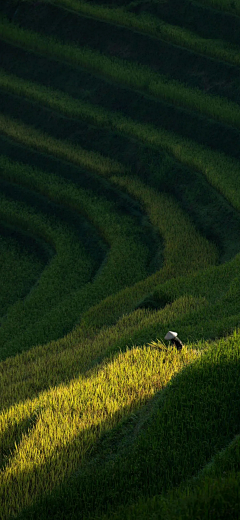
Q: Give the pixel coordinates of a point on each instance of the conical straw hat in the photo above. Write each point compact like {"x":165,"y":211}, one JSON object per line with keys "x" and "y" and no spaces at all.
{"x":170,"y":335}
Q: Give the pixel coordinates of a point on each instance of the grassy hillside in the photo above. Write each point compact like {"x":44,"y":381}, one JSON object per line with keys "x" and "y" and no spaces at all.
{"x":119,"y":221}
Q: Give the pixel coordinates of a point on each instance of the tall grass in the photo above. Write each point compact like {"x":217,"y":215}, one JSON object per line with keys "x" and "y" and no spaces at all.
{"x":129,"y":74}
{"x":46,"y":366}
{"x":212,"y":283}
{"x":185,"y":248}
{"x":74,"y":407}
{"x":153,"y":450}
{"x":57,"y":430}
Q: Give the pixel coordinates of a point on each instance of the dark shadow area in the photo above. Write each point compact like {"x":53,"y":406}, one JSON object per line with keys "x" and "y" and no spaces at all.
{"x":122,"y":202}
{"x":207,"y":132}
{"x":33,"y":245}
{"x":23,"y":258}
{"x":82,"y":228}
{"x":175,"y":62}
{"x":210,"y":212}
{"x":162,"y":446}
{"x":194,"y":16}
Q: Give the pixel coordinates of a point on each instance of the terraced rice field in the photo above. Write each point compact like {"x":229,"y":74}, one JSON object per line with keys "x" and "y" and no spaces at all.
{"x":119,"y":220}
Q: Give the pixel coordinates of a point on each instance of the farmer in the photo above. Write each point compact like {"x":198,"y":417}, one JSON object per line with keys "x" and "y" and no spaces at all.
{"x":176,"y":342}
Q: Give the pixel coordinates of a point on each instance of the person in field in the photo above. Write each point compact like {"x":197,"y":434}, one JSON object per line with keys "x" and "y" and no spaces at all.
{"x":176,"y":342}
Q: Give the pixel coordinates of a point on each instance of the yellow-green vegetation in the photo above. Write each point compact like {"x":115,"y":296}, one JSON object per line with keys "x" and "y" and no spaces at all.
{"x":119,"y":221}
{"x":51,"y":364}
{"x":72,"y":417}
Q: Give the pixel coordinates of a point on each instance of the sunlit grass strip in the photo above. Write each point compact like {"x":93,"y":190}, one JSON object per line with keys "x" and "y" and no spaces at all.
{"x":129,"y":74}
{"x":38,"y":369}
{"x":221,"y":171}
{"x":65,"y":422}
{"x":29,"y":136}
{"x":155,"y":27}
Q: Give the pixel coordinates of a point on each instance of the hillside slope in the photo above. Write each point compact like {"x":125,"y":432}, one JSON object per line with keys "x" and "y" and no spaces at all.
{"x":119,"y":221}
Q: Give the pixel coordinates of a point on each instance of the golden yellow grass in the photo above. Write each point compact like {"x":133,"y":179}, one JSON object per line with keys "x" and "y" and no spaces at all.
{"x":58,"y":429}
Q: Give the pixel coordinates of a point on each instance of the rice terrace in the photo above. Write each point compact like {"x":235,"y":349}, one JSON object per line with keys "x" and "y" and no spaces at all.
{"x":119,"y":222}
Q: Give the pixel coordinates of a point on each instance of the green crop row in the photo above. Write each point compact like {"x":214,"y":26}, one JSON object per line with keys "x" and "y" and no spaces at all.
{"x":19,"y":270}
{"x":53,"y":433}
{"x":71,"y":267}
{"x":126,"y":262}
{"x":216,"y":294}
{"x":154,"y":27}
{"x":185,"y":249}
{"x":211,"y":283}
{"x":74,"y":108}
{"x":126,"y":73}
{"x":30,"y":136}
{"x":221,"y":171}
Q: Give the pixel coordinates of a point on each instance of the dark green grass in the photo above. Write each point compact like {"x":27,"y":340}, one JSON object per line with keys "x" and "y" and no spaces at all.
{"x":37,"y":68}
{"x":214,"y":493}
{"x":200,"y":18}
{"x":33,"y":323}
{"x":82,"y":228}
{"x":209,"y":211}
{"x":206,"y":22}
{"x":124,"y":205}
{"x":175,"y":62}
{"x":22,"y":260}
{"x":188,"y":124}
{"x":157,"y":448}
